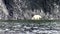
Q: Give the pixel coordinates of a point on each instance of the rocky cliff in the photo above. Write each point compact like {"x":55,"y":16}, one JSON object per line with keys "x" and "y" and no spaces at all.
{"x":25,"y":9}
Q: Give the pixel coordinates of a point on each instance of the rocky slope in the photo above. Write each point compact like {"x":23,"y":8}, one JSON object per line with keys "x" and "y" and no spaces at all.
{"x":25,"y":9}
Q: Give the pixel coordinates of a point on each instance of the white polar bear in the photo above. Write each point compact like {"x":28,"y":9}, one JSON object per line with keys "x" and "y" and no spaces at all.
{"x":36,"y":17}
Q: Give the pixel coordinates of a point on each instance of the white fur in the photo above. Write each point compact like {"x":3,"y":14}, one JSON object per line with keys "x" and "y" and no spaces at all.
{"x":36,"y":17}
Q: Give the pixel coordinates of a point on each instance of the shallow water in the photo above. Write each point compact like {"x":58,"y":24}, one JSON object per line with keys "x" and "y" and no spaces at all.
{"x":29,"y":28}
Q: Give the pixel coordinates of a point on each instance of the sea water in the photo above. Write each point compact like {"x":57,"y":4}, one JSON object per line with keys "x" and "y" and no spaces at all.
{"x":29,"y":28}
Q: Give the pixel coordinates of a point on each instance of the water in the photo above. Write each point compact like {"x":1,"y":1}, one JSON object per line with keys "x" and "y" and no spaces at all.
{"x":29,"y":28}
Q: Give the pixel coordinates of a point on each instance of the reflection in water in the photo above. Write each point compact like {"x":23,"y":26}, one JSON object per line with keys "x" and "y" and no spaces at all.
{"x":27,"y":28}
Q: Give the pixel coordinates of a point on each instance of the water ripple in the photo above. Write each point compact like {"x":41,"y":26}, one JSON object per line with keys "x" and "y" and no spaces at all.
{"x":30,"y":28}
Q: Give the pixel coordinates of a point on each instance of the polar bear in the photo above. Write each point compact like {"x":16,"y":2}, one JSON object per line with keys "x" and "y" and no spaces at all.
{"x":36,"y":17}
